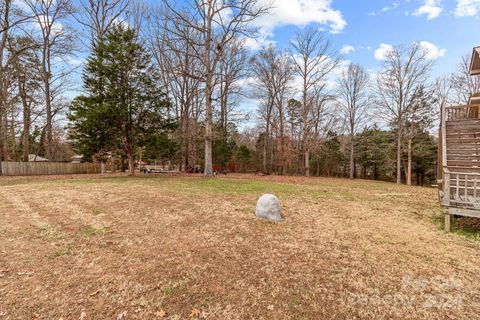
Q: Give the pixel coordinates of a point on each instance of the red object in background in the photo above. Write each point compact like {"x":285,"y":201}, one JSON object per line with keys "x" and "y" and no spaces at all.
{"x":231,"y":167}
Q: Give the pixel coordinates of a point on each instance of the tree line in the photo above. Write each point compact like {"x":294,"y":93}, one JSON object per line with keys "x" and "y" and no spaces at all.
{"x":167,"y":82}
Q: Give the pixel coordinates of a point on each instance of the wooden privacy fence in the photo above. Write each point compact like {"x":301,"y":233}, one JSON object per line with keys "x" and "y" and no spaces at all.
{"x":47,"y":168}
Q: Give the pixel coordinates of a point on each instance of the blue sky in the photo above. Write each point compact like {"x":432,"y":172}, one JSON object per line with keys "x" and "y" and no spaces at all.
{"x":366,"y":28}
{"x":449,"y":27}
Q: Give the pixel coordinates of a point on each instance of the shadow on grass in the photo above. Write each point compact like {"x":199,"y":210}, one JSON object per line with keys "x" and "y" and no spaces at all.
{"x":464,"y":226}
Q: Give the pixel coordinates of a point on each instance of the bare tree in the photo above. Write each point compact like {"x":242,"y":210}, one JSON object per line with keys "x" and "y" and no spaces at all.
{"x":274,"y":74}
{"x":26,"y":66}
{"x":5,"y":23}
{"x":262,"y":64}
{"x":420,"y":116}
{"x":217,"y":23}
{"x":353,"y":98}
{"x":231,"y":69}
{"x":314,"y":59}
{"x":99,"y":15}
{"x":177,"y":61}
{"x":463,"y":84}
{"x":404,"y":69}
{"x":56,"y":41}
{"x":11,"y":17}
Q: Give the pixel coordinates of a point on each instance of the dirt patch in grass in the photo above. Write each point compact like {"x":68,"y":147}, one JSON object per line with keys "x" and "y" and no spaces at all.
{"x":103,"y":247}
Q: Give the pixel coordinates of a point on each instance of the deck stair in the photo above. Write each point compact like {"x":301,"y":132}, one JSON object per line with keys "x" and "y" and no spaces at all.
{"x":459,"y":154}
{"x":460,"y":148}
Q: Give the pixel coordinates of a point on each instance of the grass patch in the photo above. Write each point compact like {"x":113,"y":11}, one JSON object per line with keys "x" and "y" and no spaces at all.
{"x":173,"y":289}
{"x":63,"y":251}
{"x":91,"y":231}
{"x":97,"y":211}
{"x":51,"y":233}
{"x":232,"y":186}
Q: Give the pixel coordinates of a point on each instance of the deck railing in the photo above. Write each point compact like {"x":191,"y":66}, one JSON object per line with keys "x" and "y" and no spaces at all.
{"x":461,"y":189}
{"x":462,"y":112}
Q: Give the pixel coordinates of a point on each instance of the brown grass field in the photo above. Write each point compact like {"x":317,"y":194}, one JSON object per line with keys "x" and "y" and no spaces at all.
{"x":184,"y":247}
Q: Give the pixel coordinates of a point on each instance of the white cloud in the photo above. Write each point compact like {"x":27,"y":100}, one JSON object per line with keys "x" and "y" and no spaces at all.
{"x":433,"y":51}
{"x":258,"y":43}
{"x":393,"y":6}
{"x":44,"y":21}
{"x":74,"y":61}
{"x":382,"y":51}
{"x":431,"y":8}
{"x":301,"y":13}
{"x":69,"y":60}
{"x":347,"y":49}
{"x":20,"y":4}
{"x":467,"y":8}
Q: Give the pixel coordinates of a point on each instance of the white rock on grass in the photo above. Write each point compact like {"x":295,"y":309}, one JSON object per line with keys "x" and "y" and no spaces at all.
{"x":268,"y":208}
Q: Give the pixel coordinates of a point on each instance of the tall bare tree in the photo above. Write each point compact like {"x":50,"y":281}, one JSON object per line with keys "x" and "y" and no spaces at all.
{"x":176,"y":58}
{"x":314,"y":59}
{"x":420,"y":117}
{"x":98,"y":16}
{"x":404,"y":69}
{"x":5,"y":22}
{"x":463,"y":84}
{"x":25,"y":67}
{"x":56,"y":41}
{"x":262,"y":65}
{"x":353,"y":98}
{"x":11,"y":17}
{"x":217,"y":23}
{"x":273,"y":77}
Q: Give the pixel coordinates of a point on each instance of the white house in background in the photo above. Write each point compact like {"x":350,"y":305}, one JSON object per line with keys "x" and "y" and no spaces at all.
{"x":76,"y":158}
{"x":35,"y":158}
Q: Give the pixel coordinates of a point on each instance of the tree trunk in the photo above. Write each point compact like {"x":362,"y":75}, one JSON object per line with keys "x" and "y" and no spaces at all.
{"x":305,"y":118}
{"x":122,"y":164}
{"x":208,"y":135}
{"x":131,"y":164}
{"x":1,"y":137}
{"x":113,"y":167}
{"x":264,"y":155}
{"x":282,"y":142}
{"x":208,"y":95}
{"x":26,"y":119}
{"x":352,"y":158}
{"x":307,"y":163}
{"x":399,"y":157}
{"x":3,"y":84}
{"x":48,"y":103}
{"x":187,"y":142}
{"x":409,"y":165}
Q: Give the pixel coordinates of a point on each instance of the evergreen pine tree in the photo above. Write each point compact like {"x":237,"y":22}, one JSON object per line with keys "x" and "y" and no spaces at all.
{"x":123,"y":103}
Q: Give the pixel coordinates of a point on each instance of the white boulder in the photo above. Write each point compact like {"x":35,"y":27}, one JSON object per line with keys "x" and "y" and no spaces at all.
{"x":268,"y":208}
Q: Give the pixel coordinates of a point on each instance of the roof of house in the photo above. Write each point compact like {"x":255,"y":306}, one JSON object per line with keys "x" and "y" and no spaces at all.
{"x":35,"y":158}
{"x":475,"y":64}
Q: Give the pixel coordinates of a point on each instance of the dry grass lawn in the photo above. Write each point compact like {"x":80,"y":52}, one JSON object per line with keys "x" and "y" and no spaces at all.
{"x":180,"y":247}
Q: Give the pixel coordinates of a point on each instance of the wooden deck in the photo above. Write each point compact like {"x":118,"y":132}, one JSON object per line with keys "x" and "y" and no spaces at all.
{"x":459,"y":144}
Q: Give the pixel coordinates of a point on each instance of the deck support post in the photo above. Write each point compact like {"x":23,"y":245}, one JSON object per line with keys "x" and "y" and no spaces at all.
{"x":447,"y":221}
